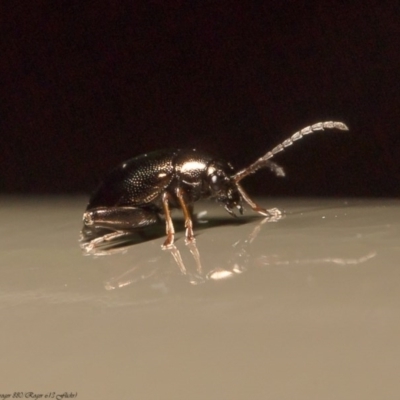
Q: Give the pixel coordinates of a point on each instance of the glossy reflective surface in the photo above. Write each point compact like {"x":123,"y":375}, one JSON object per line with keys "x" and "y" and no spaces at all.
{"x":304,"y":307}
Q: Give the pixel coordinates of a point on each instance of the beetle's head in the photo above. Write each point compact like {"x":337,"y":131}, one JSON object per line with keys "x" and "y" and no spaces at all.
{"x":223,"y":187}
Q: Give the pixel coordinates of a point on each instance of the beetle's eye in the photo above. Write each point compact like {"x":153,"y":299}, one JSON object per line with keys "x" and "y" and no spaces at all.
{"x":216,"y":182}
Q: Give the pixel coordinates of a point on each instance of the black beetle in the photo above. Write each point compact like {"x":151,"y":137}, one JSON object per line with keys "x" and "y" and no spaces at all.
{"x":138,"y":191}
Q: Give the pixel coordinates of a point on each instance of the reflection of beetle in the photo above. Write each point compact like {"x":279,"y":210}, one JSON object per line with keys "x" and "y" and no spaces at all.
{"x":135,"y":193}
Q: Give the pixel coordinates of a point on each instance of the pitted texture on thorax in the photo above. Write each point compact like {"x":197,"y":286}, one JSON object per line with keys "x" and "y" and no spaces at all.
{"x":191,"y":166}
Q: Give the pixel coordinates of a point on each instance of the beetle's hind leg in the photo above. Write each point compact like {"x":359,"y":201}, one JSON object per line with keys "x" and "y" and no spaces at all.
{"x":102,"y":240}
{"x":121,"y":221}
{"x":273,"y":213}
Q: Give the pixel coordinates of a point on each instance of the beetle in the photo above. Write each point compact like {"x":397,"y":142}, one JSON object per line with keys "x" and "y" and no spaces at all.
{"x":139,"y":191}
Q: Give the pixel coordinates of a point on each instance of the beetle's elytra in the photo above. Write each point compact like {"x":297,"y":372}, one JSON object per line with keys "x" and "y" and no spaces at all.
{"x":137,"y":192}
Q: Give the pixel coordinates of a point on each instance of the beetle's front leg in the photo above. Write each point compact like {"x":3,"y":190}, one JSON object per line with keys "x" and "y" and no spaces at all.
{"x":186,"y":212}
{"x":273,"y":213}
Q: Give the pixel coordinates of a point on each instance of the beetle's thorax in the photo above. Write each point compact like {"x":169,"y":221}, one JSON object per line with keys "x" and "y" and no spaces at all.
{"x":190,"y":166}
{"x":201,"y":176}
{"x":189,"y":170}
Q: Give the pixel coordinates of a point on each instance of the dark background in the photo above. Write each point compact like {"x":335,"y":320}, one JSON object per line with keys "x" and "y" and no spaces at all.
{"x":88,"y":84}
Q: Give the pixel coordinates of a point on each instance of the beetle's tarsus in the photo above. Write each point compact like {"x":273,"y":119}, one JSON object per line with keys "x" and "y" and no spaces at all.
{"x":88,"y":247}
{"x":169,"y":242}
{"x":190,"y":239}
{"x":189,"y":235}
{"x":230,"y":211}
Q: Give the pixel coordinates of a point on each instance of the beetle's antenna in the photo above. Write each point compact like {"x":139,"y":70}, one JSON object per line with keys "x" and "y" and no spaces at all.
{"x":264,"y":160}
